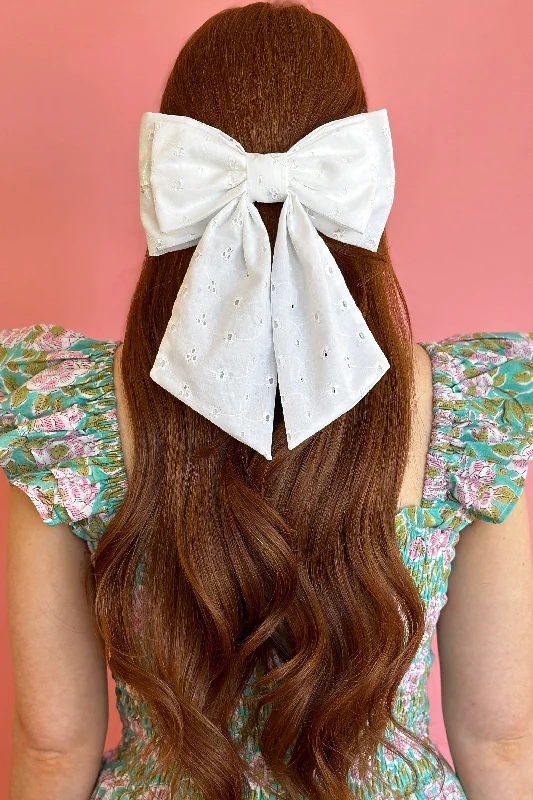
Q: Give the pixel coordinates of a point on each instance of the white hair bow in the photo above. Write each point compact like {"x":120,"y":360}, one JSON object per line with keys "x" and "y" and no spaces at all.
{"x":243,"y":321}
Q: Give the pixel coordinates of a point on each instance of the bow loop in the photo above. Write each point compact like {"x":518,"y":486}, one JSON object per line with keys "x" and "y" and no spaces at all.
{"x":243,"y":320}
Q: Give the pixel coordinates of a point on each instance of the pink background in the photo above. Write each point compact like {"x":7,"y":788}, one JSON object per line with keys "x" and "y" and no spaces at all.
{"x":456,"y":81}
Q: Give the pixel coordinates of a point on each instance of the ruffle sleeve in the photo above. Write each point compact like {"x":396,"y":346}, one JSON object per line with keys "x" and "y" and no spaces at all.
{"x":483,"y":422}
{"x":59,"y":436}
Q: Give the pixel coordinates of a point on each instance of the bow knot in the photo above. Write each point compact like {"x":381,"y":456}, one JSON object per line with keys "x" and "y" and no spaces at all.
{"x":267,"y":177}
{"x":245,"y":321}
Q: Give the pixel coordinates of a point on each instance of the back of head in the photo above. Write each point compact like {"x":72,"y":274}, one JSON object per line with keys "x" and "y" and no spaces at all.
{"x":286,"y":570}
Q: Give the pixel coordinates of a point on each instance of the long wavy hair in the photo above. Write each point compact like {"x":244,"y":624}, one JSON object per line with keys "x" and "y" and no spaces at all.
{"x":285,"y":571}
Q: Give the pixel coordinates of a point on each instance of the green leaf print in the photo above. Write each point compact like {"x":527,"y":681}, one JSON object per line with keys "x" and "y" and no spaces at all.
{"x":512,"y":408}
{"x":10,"y":383}
{"x":12,"y":366}
{"x":32,"y":368}
{"x":490,"y":406}
{"x":57,"y":330}
{"x":18,"y":397}
{"x":446,"y":512}
{"x":26,"y":452}
{"x":69,"y":391}
{"x":57,"y":404}
{"x":58,"y":451}
{"x":492,"y":511}
{"x":504,"y":494}
{"x":471,"y":372}
{"x":498,"y":380}
{"x":111,"y":493}
{"x":523,"y":377}
{"x":34,"y":334}
{"x":504,"y":449}
{"x":41,"y":403}
{"x":429,"y":521}
{"x":3,"y":353}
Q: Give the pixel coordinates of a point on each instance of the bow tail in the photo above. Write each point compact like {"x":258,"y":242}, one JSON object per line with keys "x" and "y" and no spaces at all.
{"x":326,"y":355}
{"x":216,"y":354}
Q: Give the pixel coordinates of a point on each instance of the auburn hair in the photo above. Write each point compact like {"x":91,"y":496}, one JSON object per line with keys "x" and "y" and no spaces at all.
{"x":286,"y":571}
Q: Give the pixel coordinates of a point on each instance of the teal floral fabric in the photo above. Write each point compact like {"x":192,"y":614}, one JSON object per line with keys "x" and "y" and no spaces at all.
{"x":60,"y":443}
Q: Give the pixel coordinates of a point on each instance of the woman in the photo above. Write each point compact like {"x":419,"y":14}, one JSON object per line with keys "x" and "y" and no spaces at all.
{"x":322,"y":568}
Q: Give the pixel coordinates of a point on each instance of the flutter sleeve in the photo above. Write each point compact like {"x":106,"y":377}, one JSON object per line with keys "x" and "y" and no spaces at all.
{"x":491,"y":427}
{"x":59,"y":436}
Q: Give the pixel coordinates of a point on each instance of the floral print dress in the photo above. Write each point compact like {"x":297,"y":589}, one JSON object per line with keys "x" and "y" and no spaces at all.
{"x":60,"y":443}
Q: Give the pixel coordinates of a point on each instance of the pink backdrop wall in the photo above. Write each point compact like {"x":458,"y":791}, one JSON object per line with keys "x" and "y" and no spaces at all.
{"x":456,"y":81}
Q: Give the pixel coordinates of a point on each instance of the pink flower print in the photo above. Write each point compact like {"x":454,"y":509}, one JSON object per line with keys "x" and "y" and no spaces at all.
{"x":136,"y":727}
{"x":156,"y":793}
{"x":62,"y":374}
{"x":106,"y":780}
{"x":444,"y":417}
{"x":417,"y":549}
{"x":60,"y":420}
{"x":411,"y":680}
{"x":57,"y":355}
{"x":48,"y":341}
{"x":11,"y":336}
{"x":489,"y":358}
{"x":438,"y":539}
{"x":35,"y":495}
{"x":77,"y":491}
{"x":432,"y":613}
{"x":519,"y":462}
{"x":519,"y":348}
{"x":490,"y":430}
{"x":449,"y":791}
{"x":478,"y":386}
{"x":436,"y":480}
{"x":448,"y":555}
{"x":448,"y":365}
{"x":473,"y":486}
{"x":260,"y":770}
{"x":442,"y":391}
{"x":79,"y":445}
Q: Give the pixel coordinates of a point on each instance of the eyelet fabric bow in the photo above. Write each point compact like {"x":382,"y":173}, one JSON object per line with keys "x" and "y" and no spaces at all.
{"x":244,"y":320}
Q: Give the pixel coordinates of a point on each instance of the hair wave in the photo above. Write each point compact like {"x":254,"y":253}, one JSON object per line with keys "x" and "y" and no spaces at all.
{"x":287,"y":571}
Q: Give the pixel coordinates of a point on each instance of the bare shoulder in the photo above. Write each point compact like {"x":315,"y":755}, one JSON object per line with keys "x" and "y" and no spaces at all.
{"x":421,"y":420}
{"x":485,"y":633}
